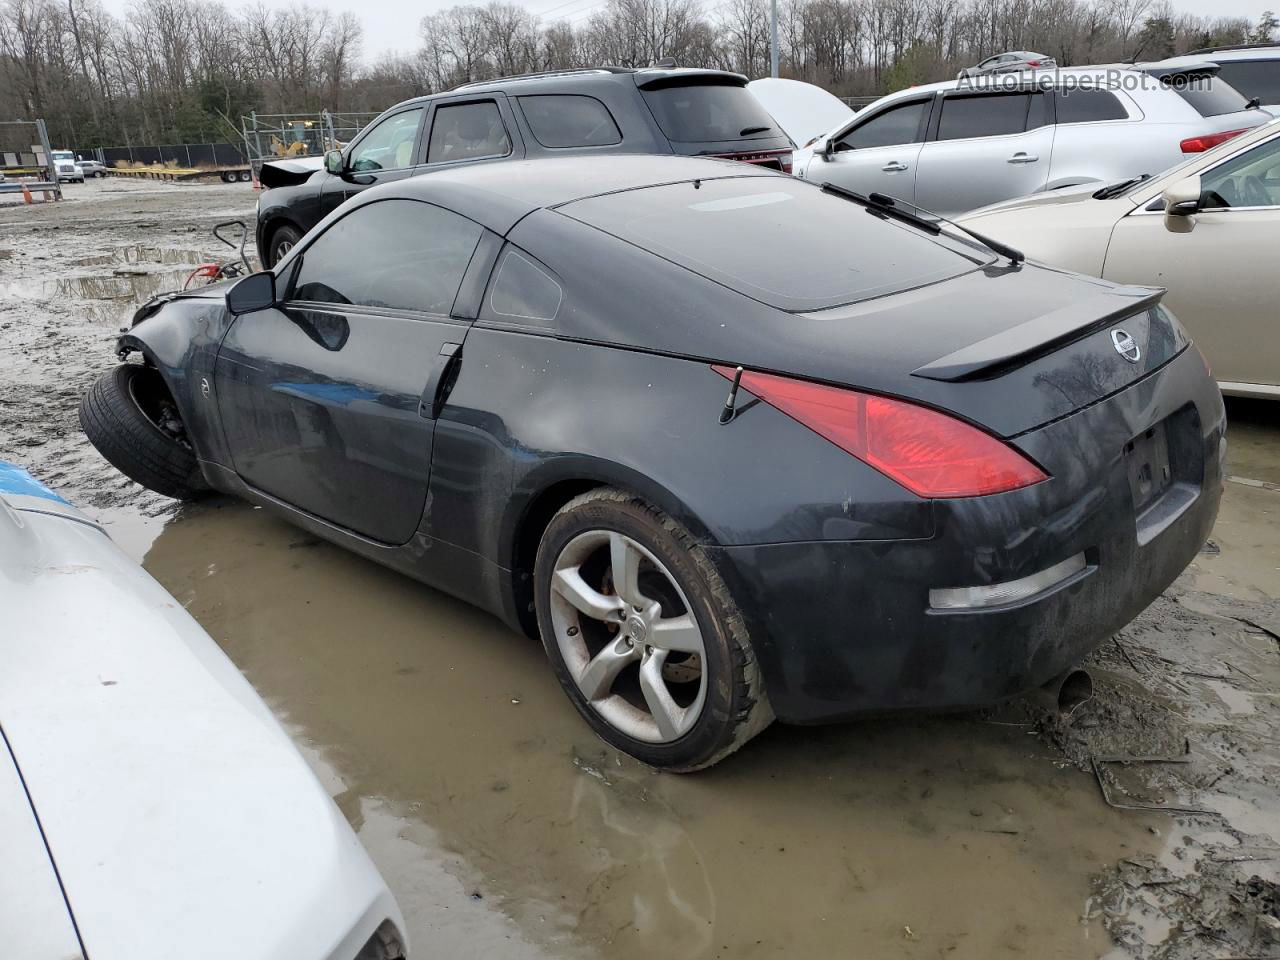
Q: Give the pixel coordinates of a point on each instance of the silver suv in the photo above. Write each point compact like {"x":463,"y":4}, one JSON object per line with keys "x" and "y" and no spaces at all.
{"x":954,"y":146}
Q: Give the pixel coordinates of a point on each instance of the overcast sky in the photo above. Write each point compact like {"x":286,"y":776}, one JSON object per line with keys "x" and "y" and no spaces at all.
{"x":392,"y":25}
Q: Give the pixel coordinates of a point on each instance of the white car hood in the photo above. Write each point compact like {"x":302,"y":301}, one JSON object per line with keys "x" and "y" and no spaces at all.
{"x":180,"y":817}
{"x":1081,"y":193}
{"x":803,"y":110}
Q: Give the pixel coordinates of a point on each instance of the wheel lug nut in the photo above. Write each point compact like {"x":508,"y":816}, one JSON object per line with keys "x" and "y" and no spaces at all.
{"x":572,"y":631}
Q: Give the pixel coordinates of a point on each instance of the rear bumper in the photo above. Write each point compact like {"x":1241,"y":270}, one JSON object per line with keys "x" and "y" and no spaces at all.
{"x":845,"y":627}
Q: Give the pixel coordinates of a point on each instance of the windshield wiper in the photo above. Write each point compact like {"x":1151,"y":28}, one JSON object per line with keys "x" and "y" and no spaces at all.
{"x":1116,"y":189}
{"x":748,"y":130}
{"x":878,"y":203}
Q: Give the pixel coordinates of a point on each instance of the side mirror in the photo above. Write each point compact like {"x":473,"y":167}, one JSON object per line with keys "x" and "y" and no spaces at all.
{"x":333,"y":162}
{"x":257,"y":291}
{"x":828,"y":149}
{"x":1181,"y":201}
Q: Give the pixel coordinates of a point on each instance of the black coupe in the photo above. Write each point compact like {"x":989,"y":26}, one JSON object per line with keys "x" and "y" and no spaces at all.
{"x":733,"y":444}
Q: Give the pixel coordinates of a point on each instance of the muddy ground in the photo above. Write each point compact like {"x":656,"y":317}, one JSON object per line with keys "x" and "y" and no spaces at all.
{"x":1148,"y":826}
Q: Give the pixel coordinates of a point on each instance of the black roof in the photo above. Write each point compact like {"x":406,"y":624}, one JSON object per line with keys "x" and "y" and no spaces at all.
{"x":499,"y":195}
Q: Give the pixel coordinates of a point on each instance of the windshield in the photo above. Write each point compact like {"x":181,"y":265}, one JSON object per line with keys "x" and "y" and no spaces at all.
{"x":704,"y":113}
{"x":63,"y":155}
{"x":777,"y":240}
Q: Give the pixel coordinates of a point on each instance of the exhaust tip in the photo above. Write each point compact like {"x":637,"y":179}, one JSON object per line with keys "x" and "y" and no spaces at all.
{"x":1065,"y":693}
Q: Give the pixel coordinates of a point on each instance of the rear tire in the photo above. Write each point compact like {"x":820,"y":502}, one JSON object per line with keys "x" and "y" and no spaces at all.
{"x":282,"y":241}
{"x":678,"y":640}
{"x":129,"y":416}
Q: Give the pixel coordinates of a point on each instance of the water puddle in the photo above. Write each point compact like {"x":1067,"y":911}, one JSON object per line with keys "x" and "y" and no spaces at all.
{"x":459,"y":757}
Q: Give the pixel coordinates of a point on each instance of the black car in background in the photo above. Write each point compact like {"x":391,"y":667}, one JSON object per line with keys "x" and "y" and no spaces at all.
{"x":943,"y":476}
{"x":604,"y":110}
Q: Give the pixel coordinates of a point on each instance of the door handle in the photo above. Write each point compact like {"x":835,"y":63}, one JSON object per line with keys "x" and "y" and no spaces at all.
{"x":894,"y":166}
{"x":440,"y":382}
{"x":1021,"y":157}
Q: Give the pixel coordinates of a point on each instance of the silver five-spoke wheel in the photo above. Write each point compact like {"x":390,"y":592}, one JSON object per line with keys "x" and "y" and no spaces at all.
{"x":628,"y":636}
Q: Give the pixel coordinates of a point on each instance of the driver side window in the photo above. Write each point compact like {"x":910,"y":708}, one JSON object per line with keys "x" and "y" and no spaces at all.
{"x":895,"y":126}
{"x":389,"y":145}
{"x":401,"y":255}
{"x":1249,"y":180}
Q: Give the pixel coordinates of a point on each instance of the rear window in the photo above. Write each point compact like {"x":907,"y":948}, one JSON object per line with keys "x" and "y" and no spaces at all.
{"x":985,"y":116}
{"x":703,"y":113}
{"x":776,"y":240}
{"x":570,"y":120}
{"x":1254,"y":78}
{"x":1211,"y":96}
{"x":1088,"y":105}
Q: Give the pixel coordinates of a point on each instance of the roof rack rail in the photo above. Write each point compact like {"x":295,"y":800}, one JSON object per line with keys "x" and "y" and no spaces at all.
{"x":1234,"y":46}
{"x":576,"y":72}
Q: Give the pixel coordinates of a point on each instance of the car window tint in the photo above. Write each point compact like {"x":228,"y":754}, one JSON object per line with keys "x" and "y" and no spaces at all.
{"x":895,"y":126}
{"x":396,"y":254}
{"x":1249,"y":180}
{"x":1211,"y":96}
{"x":1254,"y":78}
{"x":468,"y":131}
{"x":1085,"y":105}
{"x":1037,"y":111}
{"x":389,"y":144}
{"x":755,"y":235}
{"x":705,"y":113}
{"x":523,"y":290}
{"x":983,"y":116}
{"x":566,"y":120}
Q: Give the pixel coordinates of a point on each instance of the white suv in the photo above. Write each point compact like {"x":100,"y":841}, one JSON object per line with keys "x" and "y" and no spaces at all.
{"x":1253,"y":69}
{"x":954,"y":146}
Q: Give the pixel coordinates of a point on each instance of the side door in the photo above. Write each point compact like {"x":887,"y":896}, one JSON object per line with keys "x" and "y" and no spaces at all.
{"x":983,"y":148}
{"x":1219,"y":273}
{"x":878,"y":153}
{"x":471,"y":129}
{"x":386,"y":150}
{"x":328,"y":400}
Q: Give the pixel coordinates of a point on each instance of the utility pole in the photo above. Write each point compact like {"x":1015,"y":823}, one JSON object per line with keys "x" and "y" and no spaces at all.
{"x":773,"y":39}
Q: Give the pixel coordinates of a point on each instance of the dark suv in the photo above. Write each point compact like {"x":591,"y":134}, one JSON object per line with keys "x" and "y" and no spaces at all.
{"x":605,"y":110}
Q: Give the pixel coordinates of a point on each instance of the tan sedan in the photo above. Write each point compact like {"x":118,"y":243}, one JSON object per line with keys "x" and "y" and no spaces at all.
{"x":1208,"y":230}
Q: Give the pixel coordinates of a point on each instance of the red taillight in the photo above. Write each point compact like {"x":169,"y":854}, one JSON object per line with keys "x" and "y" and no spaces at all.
{"x":1033,"y":63}
{"x":931,"y":454}
{"x":1208,"y":141}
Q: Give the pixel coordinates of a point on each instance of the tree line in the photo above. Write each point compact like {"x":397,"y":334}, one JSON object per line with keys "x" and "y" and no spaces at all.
{"x":174,"y":71}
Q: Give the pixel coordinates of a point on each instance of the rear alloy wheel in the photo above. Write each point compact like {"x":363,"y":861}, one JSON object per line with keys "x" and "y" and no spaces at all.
{"x":643,"y":634}
{"x":282,"y":241}
{"x":130,"y":418}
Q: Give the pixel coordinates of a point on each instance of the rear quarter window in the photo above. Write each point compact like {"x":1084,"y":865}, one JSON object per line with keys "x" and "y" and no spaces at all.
{"x":706,"y":113}
{"x":569,"y":120}
{"x":523,"y":291}
{"x":780,"y":241}
{"x":1087,"y":105}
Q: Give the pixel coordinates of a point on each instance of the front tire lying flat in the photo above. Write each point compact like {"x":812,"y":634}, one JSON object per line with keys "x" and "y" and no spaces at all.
{"x":131,"y":419}
{"x":643,"y":634}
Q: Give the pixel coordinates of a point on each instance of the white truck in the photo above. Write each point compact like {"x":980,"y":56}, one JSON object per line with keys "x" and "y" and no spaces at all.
{"x":65,"y":163}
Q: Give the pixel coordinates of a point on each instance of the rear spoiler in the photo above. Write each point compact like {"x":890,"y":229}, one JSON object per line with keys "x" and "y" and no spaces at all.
{"x":1040,"y":335}
{"x":1187,"y":70}
{"x":658,"y":79}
